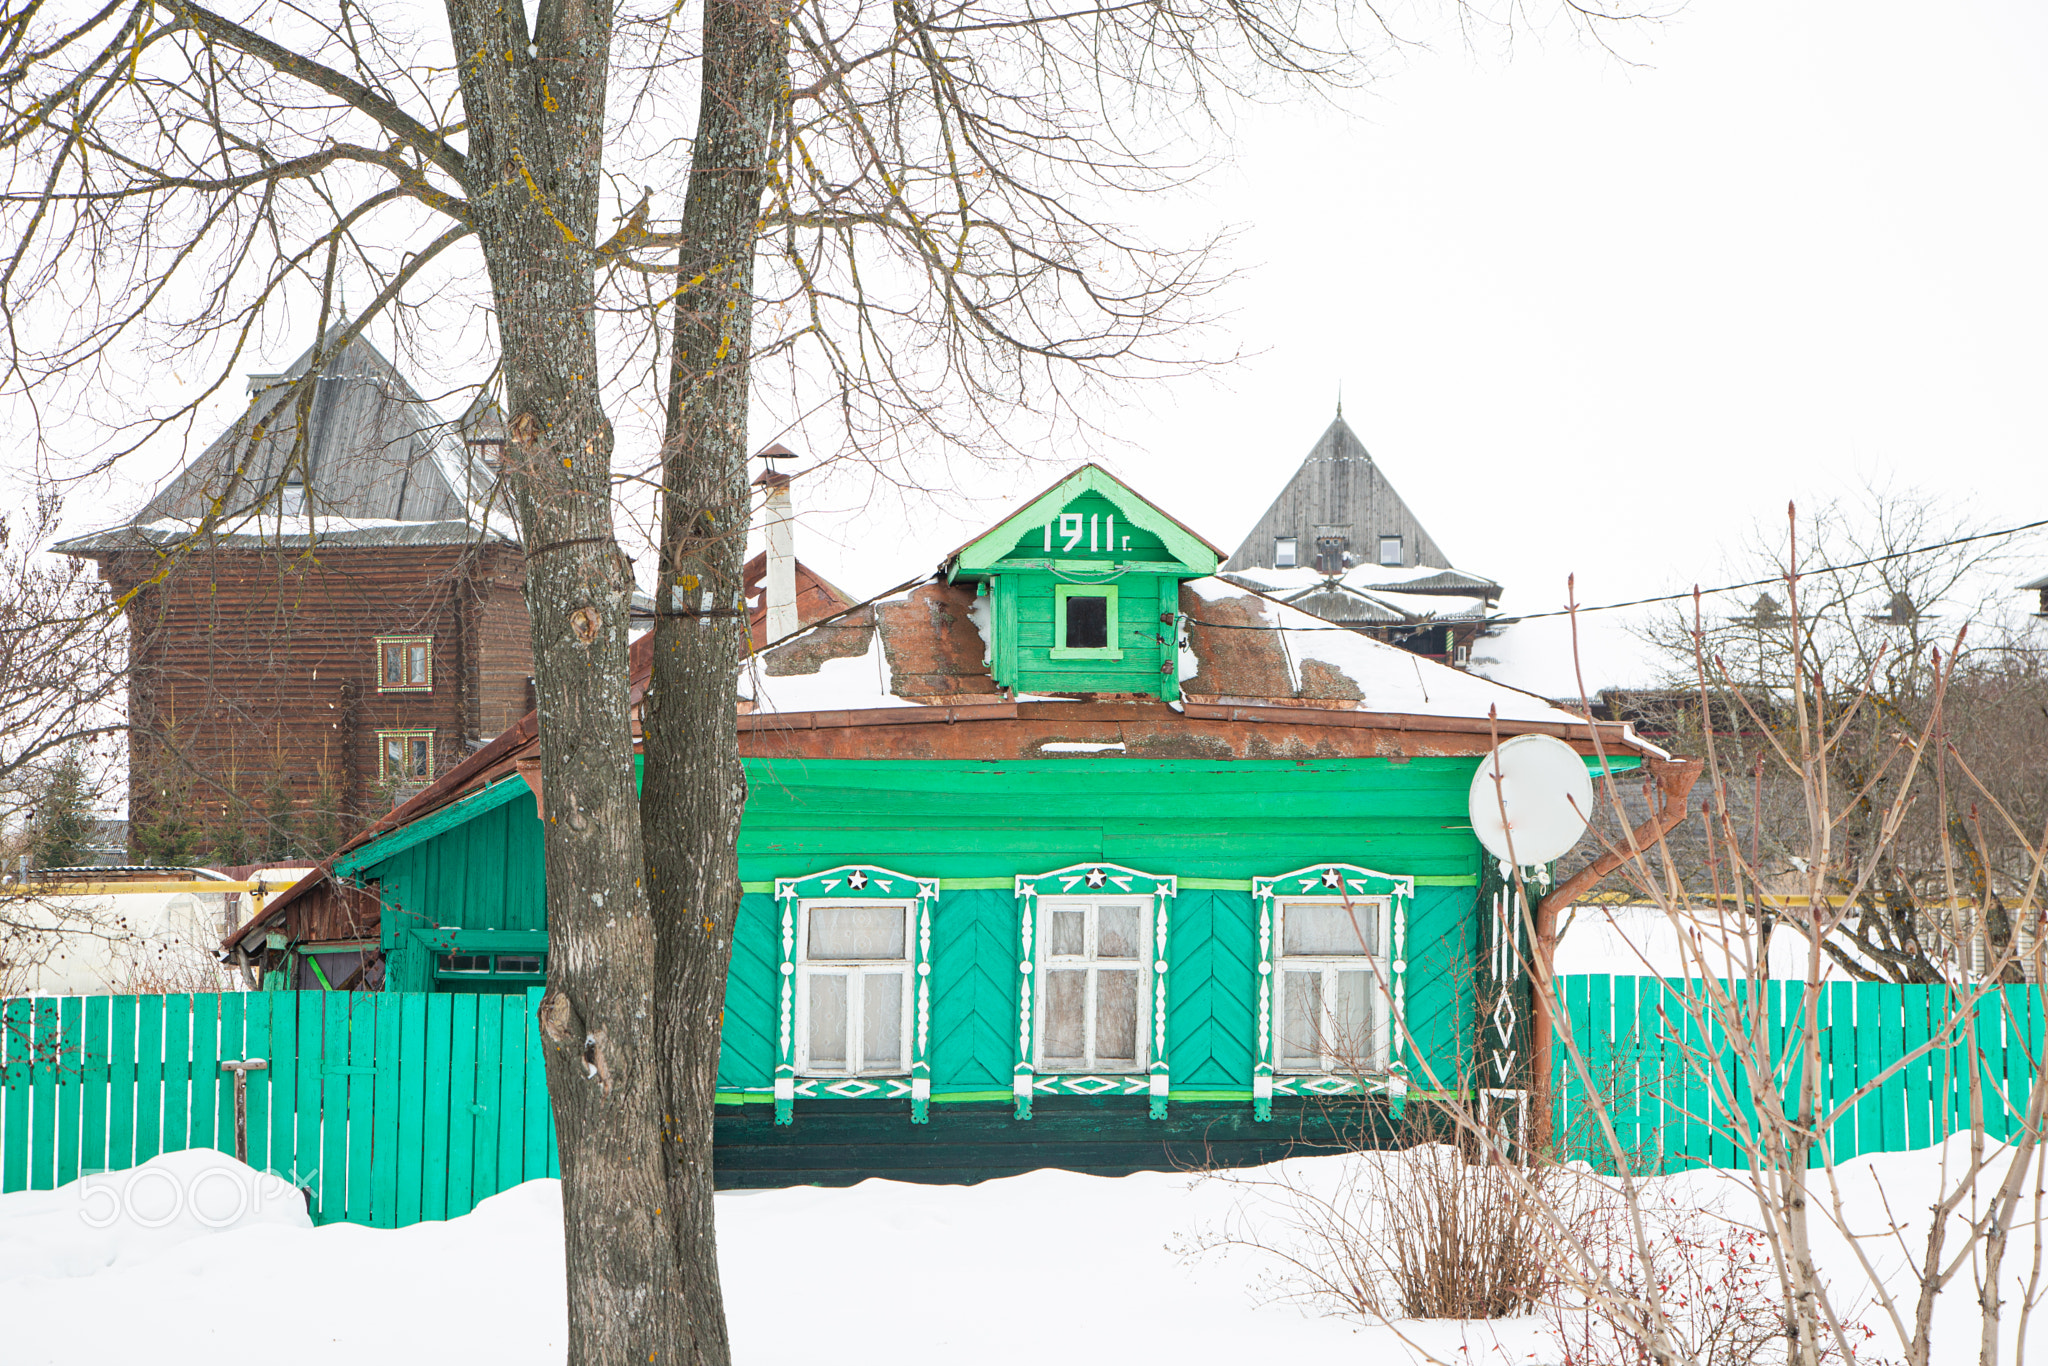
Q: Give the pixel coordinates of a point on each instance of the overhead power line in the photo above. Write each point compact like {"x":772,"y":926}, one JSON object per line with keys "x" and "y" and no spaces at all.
{"x":1661,"y":597}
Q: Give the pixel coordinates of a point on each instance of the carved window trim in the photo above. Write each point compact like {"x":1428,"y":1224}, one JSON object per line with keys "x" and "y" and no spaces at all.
{"x":415,"y":658}
{"x":1332,"y":881}
{"x":1107,"y":881}
{"x":863,"y":882}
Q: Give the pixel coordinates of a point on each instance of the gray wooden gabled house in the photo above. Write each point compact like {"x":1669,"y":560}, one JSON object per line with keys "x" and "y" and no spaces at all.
{"x":1340,"y":542}
{"x":325,"y":612}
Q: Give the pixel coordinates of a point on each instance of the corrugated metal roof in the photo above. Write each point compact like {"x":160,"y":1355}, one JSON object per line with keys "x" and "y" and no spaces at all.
{"x":374,"y":450}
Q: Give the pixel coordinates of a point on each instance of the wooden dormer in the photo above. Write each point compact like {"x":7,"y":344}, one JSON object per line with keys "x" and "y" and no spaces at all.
{"x":1080,"y":591}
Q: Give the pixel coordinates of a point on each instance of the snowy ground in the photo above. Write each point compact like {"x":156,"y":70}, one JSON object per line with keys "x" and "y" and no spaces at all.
{"x":177,"y":1264}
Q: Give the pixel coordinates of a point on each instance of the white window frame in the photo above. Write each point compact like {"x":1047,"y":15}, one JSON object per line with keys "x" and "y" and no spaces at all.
{"x":1400,"y":545}
{"x":1378,"y":968}
{"x":1290,"y":546}
{"x":1141,"y":964}
{"x":856,"y":970}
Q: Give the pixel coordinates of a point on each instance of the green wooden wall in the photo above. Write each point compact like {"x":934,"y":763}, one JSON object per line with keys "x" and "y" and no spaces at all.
{"x":1222,"y":821}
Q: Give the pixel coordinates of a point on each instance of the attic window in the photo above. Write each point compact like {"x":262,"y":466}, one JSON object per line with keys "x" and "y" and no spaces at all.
{"x":1285,"y":554}
{"x":1390,"y":552}
{"x":292,"y":499}
{"x":490,"y":450}
{"x":1085,"y":621}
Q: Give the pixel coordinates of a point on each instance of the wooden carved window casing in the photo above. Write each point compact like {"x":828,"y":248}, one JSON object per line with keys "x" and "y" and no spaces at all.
{"x":1354,"y":991}
{"x":405,"y":664}
{"x":1091,"y":964}
{"x":405,"y":757}
{"x":854,"y":964}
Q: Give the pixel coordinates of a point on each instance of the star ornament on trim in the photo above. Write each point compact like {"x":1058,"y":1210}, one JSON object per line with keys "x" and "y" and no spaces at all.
{"x":857,"y":881}
{"x":1331,"y":879}
{"x":1096,"y":877}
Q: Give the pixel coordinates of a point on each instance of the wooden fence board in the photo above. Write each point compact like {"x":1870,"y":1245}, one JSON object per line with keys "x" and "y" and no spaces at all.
{"x":70,"y":1084}
{"x":94,"y":1083}
{"x":384,"y":1154}
{"x":1914,"y":1034}
{"x":16,"y":1048}
{"x":490,"y":1030}
{"x":437,"y":1099}
{"x":177,"y":1071}
{"x":256,"y":1043}
{"x":203,"y":1067}
{"x":230,"y":1046}
{"x":1891,"y":1046}
{"x":281,"y":1080}
{"x":47,"y":1047}
{"x":149,"y":1077}
{"x":511,"y":1100}
{"x":408,"y":1136}
{"x":308,"y":1149}
{"x":1842,"y":1068}
{"x":121,"y":1027}
{"x":361,"y":1014}
{"x":461,"y":1102}
{"x":539,"y":1137}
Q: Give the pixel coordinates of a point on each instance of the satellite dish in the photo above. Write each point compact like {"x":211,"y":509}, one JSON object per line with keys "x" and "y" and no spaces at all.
{"x":1546,"y":792}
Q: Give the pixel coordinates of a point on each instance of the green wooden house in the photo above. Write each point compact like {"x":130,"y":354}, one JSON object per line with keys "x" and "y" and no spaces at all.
{"x":1074,"y":855}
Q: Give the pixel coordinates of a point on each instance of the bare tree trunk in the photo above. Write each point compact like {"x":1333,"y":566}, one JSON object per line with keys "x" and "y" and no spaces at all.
{"x":535,"y":145}
{"x":695,"y":786}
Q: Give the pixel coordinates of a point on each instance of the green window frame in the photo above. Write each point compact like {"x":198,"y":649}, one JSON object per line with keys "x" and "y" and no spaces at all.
{"x":1061,"y":593}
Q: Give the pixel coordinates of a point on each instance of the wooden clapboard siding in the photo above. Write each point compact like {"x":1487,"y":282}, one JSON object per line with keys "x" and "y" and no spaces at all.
{"x":252,"y":666}
{"x":1212,"y":951}
{"x":1637,"y":1035}
{"x":749,"y":1026}
{"x":974,"y":992}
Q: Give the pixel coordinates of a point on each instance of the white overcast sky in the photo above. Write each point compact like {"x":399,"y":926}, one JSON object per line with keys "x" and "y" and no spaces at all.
{"x":1604,"y":319}
{"x":1597,"y":317}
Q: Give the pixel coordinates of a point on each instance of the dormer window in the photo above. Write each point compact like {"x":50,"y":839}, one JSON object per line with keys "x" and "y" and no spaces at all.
{"x":1390,"y":552}
{"x":1084,"y":617}
{"x":1286,"y":553}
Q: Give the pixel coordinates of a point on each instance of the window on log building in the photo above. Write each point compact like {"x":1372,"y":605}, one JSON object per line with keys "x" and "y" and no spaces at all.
{"x":405,"y":664}
{"x":405,"y":756}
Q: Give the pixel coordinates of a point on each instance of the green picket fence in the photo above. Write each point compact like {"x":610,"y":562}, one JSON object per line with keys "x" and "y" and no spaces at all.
{"x":385,"y":1108}
{"x":1678,"y":1099}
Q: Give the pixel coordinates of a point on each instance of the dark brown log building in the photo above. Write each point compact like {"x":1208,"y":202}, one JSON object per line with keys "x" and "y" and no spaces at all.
{"x":348,"y":627}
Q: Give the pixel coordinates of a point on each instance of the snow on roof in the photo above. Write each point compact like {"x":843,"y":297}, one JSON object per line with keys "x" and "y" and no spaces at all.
{"x":1363,"y":577}
{"x":850,"y":684}
{"x":266,"y":528}
{"x":1538,"y":655}
{"x":1388,"y":678}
